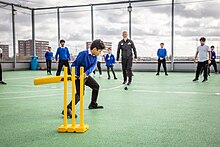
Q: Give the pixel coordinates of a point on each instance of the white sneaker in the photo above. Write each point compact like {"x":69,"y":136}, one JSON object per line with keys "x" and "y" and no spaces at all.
{"x":100,"y":76}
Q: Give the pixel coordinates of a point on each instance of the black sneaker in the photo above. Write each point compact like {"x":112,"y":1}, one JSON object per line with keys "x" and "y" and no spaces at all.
{"x":124,"y":82}
{"x":69,"y":113}
{"x":166,"y":74}
{"x":195,"y":80}
{"x":115,"y":78}
{"x":157,"y":74}
{"x":109,"y":78}
{"x":3,"y":83}
{"x":129,"y":83}
{"x":205,"y":80}
{"x":95,"y":106}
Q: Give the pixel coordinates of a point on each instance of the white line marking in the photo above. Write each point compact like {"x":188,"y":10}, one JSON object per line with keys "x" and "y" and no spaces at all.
{"x":28,"y":97}
{"x":175,"y":92}
{"x":20,"y":78}
{"x":29,"y":91}
{"x":116,"y":87}
{"x":29,"y":86}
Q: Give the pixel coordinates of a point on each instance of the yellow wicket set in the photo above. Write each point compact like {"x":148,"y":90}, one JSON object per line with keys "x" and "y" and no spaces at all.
{"x":81,"y":127}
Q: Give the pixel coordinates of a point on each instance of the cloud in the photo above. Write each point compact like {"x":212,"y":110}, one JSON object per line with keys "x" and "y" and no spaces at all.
{"x":76,"y":37}
{"x":199,"y":10}
{"x":5,"y":28}
{"x":196,"y":33}
{"x":190,"y":9}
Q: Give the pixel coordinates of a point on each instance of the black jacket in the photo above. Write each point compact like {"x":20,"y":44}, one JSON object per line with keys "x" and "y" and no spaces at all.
{"x":126,"y":49}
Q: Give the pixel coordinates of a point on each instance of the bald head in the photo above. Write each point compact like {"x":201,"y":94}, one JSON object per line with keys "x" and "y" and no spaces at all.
{"x":125,"y":34}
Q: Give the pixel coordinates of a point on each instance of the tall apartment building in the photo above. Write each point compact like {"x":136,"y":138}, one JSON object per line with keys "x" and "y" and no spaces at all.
{"x":5,"y":51}
{"x":107,"y":45}
{"x":25,"y":49}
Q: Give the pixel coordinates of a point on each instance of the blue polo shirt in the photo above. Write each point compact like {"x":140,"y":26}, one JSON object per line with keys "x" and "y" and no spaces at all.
{"x":110,"y":59}
{"x":49,"y":55}
{"x":87,"y":60}
{"x":213,"y":55}
{"x":63,"y":53}
{"x":161,"y":53}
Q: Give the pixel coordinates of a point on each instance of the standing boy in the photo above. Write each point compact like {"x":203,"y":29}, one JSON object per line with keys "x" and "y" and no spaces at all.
{"x":64,"y":57}
{"x":204,"y":53}
{"x":213,"y":62}
{"x":110,"y":61}
{"x":1,"y":82}
{"x":161,"y":54}
{"x":88,"y":60}
{"x":99,"y":60}
{"x":125,"y":46}
{"x":49,"y":58}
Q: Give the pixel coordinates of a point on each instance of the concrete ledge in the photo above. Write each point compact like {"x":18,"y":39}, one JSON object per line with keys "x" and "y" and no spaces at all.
{"x":186,"y":66}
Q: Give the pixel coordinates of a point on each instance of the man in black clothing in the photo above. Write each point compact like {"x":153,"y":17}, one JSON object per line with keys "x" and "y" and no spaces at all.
{"x":125,"y":46}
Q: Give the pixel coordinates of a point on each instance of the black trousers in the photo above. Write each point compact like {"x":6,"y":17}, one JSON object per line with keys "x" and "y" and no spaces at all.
{"x":127,"y":68}
{"x":164,"y":65}
{"x":0,"y":72}
{"x":112,"y":69}
{"x":60,"y":66}
{"x":90,"y":82}
{"x":202,"y":66}
{"x":213,"y":62}
{"x":99,"y":68}
{"x":48,"y":66}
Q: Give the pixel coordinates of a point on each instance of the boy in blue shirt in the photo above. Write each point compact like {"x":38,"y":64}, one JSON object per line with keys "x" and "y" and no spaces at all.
{"x":64,"y":57}
{"x":213,"y":62}
{"x":162,"y":53}
{"x":49,"y":58}
{"x":88,"y":60}
{"x":110,"y":61}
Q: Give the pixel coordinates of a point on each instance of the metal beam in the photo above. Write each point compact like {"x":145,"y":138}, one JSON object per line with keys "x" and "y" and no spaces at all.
{"x":92,"y":23}
{"x":129,"y":11}
{"x":172,"y":37}
{"x":33,"y":32}
{"x":97,"y":4}
{"x":13,"y":33}
{"x":58,"y":26}
{"x":6,"y":3}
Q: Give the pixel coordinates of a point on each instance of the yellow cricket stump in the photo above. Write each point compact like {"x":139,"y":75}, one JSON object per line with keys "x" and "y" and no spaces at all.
{"x":55,"y":79}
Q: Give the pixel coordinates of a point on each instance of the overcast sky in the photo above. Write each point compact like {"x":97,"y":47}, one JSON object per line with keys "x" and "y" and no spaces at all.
{"x":151,"y":24}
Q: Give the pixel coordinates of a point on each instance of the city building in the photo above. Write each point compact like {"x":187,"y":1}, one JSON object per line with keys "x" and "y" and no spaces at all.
{"x":107,"y":45}
{"x":5,"y":51}
{"x":25,"y":49}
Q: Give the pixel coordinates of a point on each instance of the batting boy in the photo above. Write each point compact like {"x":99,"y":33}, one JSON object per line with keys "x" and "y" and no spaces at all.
{"x":88,"y":60}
